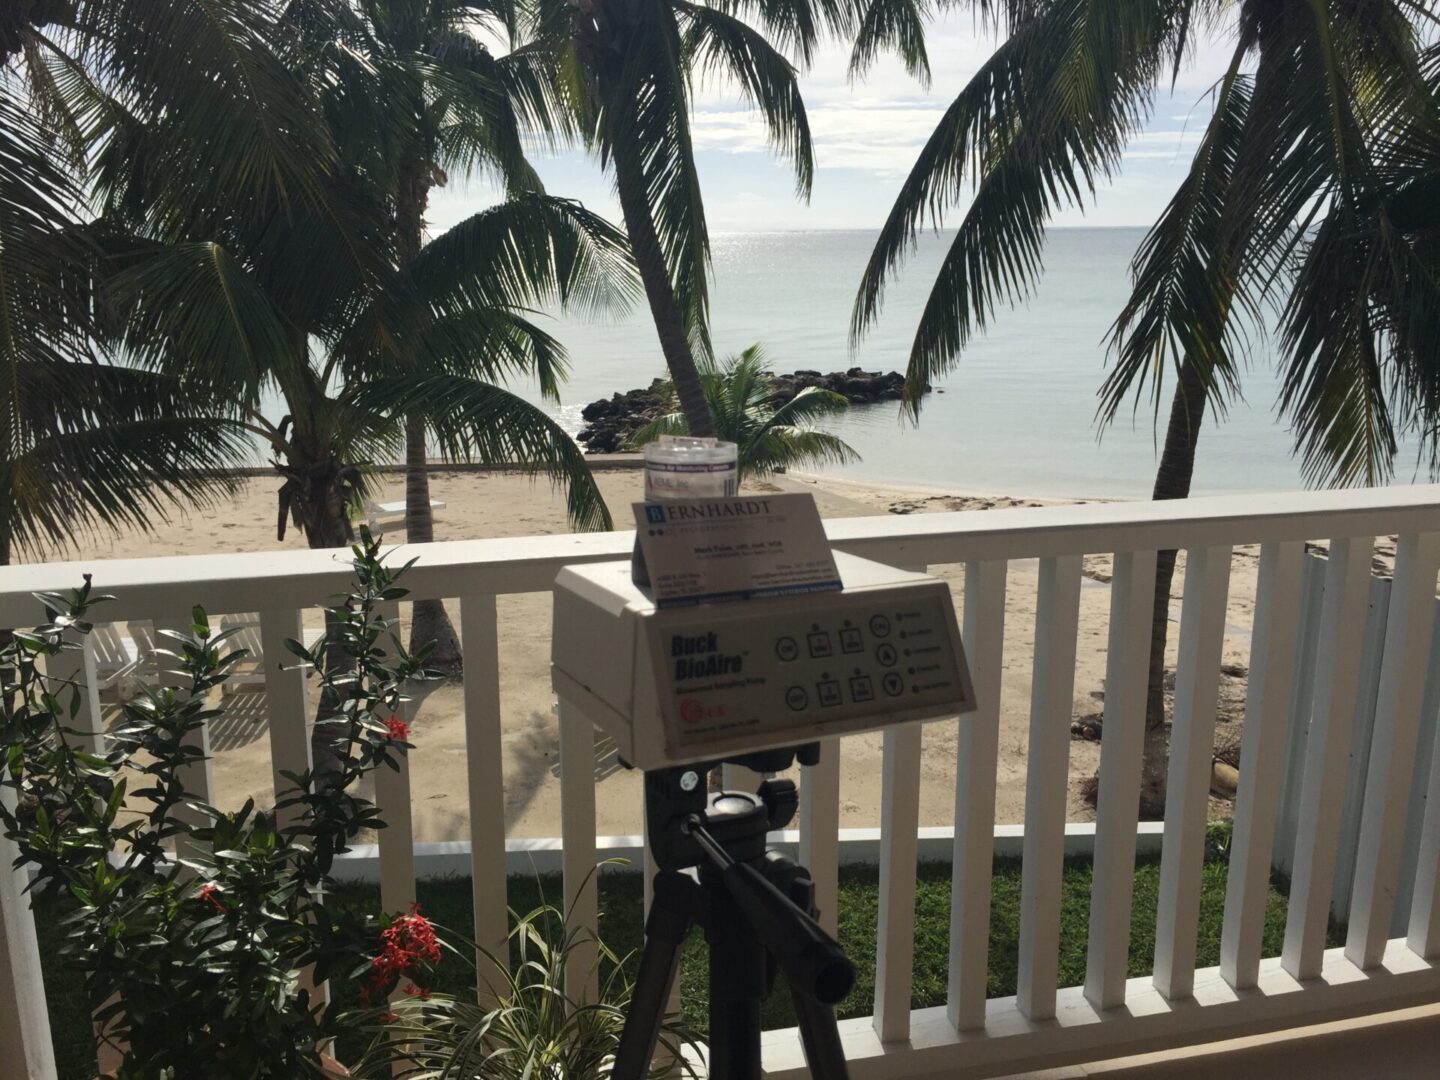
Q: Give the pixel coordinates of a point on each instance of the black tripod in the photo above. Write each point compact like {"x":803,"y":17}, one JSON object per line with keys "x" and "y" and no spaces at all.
{"x":758,"y":912}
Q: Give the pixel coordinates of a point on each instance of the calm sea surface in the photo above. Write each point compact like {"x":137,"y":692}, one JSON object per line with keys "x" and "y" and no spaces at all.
{"x":1017,"y":415}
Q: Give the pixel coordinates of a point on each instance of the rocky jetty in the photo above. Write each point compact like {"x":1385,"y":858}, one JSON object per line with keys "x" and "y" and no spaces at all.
{"x":611,"y":422}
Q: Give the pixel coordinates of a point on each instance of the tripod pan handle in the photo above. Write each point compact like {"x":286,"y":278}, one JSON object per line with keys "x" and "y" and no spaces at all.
{"x":813,"y":962}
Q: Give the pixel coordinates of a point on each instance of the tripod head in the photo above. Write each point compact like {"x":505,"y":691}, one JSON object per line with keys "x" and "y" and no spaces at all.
{"x":738,"y":821}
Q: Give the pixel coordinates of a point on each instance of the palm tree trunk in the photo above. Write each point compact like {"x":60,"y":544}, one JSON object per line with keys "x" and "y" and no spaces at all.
{"x":428,"y":619}
{"x":327,"y":525}
{"x":429,"y":622}
{"x":1172,"y":481}
{"x":669,"y":322}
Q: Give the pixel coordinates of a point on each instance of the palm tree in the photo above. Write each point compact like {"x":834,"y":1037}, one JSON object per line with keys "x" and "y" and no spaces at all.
{"x":91,"y":440}
{"x":741,"y":399}
{"x":466,"y":110}
{"x":626,"y":67}
{"x":1324,"y":124}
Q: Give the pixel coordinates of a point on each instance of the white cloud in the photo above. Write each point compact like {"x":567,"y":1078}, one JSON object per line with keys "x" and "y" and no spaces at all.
{"x":867,"y":134}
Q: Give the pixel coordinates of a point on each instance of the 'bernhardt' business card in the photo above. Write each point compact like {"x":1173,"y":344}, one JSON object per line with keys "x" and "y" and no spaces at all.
{"x":705,"y":551}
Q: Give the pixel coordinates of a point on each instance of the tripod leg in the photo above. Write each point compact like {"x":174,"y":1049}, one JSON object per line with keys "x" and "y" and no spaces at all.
{"x":672,"y":910}
{"x":823,"y":1052}
{"x":738,"y":984}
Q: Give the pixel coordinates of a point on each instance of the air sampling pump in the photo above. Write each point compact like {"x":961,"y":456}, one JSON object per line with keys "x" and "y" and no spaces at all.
{"x":684,"y":685}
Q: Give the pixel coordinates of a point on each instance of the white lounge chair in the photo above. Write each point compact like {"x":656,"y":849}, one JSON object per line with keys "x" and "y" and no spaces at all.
{"x":251,"y":670}
{"x":383,"y":513}
{"x":119,"y":658}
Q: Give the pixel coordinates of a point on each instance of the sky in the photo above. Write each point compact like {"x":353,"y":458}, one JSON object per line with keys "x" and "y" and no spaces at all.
{"x":866,"y":137}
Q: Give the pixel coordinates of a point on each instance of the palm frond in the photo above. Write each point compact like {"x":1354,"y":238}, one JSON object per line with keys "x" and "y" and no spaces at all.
{"x":103,"y":446}
{"x":811,"y":404}
{"x":1187,"y":277}
{"x":798,"y":449}
{"x":476,"y":421}
{"x":494,"y":345}
{"x":897,"y":25}
{"x":478,"y":124}
{"x":671,"y":423}
{"x":45,"y":303}
{"x":246,"y":126}
{"x":718,"y":43}
{"x":193,"y":308}
{"x":1045,"y":117}
{"x":525,"y":251}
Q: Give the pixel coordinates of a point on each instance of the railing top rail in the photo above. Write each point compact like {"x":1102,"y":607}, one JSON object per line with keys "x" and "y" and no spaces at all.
{"x":291,"y":579}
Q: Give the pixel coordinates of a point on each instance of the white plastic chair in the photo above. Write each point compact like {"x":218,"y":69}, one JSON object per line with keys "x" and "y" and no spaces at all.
{"x":251,"y":670}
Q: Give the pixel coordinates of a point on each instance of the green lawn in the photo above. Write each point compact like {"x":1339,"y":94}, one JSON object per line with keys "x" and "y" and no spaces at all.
{"x":448,"y":903}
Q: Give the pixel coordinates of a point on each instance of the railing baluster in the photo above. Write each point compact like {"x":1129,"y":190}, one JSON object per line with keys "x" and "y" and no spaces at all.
{"x":1132,"y":595}
{"x":895,"y":929}
{"x":739,"y":778}
{"x":1267,"y":712}
{"x":392,"y":796}
{"x":25,"y":1041}
{"x":1187,"y":784}
{"x":577,"y":836}
{"x":899,"y":847}
{"x":1419,"y":782}
{"x":485,"y":765}
{"x":820,"y":830}
{"x":1052,"y":692}
{"x":1423,"y":932}
{"x":978,"y":745}
{"x":1408,"y":631}
{"x":286,"y":702}
{"x":288,"y":709}
{"x":78,"y":667}
{"x":1337,"y":668}
{"x":197,"y":778}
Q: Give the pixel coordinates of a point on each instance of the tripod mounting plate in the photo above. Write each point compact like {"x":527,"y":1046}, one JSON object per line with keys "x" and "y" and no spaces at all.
{"x":738,"y":820}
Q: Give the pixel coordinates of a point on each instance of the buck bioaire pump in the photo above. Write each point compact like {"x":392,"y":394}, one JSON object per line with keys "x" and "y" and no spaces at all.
{"x":686,"y":684}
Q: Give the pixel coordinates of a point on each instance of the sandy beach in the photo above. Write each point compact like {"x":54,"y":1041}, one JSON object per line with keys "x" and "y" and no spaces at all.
{"x":506,"y":504}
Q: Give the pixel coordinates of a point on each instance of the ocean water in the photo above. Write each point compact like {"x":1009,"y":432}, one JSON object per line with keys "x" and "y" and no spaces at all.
{"x":1016,"y":415}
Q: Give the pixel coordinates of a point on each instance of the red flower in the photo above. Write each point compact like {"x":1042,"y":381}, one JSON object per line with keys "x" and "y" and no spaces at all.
{"x":399,"y":730}
{"x":208,"y":894}
{"x":409,"y":948}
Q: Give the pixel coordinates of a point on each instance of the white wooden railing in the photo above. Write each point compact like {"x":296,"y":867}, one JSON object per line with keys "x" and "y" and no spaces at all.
{"x":1043,"y":1024}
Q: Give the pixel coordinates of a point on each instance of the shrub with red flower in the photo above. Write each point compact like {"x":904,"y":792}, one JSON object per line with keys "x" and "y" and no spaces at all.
{"x":399,"y":729}
{"x":409,"y":949}
{"x":209,"y":894}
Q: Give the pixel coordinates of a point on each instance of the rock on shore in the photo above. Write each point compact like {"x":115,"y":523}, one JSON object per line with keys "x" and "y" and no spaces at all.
{"x":610,"y":423}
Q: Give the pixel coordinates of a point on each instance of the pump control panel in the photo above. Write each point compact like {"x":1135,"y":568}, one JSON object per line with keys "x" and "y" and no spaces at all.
{"x":689,"y":684}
